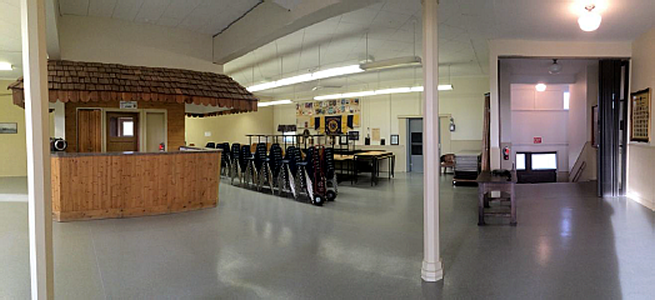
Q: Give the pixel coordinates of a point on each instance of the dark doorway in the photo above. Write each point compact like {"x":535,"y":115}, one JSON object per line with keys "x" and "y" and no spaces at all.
{"x":536,"y":167}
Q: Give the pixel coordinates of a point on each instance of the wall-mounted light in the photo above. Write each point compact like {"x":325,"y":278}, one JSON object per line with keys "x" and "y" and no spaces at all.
{"x":5,"y":66}
{"x":540,"y":87}
{"x":589,"y":20}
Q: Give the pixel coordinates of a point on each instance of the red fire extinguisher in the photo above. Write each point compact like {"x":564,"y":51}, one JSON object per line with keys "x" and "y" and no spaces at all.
{"x":162,"y":147}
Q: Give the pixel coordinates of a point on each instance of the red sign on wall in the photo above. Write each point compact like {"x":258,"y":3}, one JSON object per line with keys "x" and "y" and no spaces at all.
{"x":537,"y":140}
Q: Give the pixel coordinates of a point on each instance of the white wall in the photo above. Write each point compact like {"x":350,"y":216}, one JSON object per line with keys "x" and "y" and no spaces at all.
{"x":578,"y":119}
{"x":229,"y":128}
{"x":115,"y":41}
{"x":641,"y":156}
{"x":540,"y":114}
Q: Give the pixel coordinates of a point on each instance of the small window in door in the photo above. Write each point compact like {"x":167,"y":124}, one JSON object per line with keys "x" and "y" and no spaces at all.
{"x":121,"y":127}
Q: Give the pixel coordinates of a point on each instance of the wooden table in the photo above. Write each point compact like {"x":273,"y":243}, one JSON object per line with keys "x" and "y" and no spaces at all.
{"x":488,"y":183}
{"x":374,"y":158}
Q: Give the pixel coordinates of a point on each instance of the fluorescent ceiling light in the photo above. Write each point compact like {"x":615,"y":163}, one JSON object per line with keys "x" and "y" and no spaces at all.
{"x":271,"y":103}
{"x":400,"y":90}
{"x":408,"y":61}
{"x":5,"y":66}
{"x":328,"y":73}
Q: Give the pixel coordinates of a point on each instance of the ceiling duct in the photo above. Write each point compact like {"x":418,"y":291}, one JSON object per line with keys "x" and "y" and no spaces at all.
{"x":400,"y":62}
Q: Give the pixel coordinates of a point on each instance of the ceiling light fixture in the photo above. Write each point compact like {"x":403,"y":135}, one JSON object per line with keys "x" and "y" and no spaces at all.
{"x":400,"y":62}
{"x":589,"y":20}
{"x":400,"y":90}
{"x":555,"y":68}
{"x":540,"y":87}
{"x":271,"y":103}
{"x":5,"y":66}
{"x":328,"y":73}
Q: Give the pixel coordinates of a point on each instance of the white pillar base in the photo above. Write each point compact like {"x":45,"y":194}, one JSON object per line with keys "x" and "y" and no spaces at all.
{"x":432,"y":272}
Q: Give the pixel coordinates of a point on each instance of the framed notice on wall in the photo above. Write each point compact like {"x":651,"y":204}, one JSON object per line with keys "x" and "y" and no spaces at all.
{"x":640,"y":116}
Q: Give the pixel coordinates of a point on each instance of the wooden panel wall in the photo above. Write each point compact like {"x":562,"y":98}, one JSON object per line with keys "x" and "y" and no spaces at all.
{"x":175,"y":120}
{"x":117,"y":186}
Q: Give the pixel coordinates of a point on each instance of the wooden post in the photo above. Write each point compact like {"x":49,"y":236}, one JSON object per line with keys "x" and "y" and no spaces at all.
{"x":38,"y":149}
{"x":432,"y":269}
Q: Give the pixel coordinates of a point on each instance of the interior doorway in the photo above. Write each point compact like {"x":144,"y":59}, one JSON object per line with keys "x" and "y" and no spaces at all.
{"x":415,"y":144}
{"x":155,"y":131}
{"x":122,"y":131}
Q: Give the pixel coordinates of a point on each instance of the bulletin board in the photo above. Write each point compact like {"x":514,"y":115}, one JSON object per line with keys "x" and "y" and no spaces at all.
{"x":313,"y":115}
{"x":640,"y":116}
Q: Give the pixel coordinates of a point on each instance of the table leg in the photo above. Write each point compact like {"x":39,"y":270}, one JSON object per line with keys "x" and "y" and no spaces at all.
{"x":481,"y":193}
{"x":513,"y":221}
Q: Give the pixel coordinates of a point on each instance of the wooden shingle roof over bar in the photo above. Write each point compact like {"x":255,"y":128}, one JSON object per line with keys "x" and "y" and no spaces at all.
{"x":70,"y":81}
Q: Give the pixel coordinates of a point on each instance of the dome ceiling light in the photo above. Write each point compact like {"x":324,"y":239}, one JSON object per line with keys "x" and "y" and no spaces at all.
{"x":540,"y":87}
{"x":590,"y":20}
{"x":555,"y":68}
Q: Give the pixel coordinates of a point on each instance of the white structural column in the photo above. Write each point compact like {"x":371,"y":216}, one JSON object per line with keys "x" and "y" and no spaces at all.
{"x":38,"y":152}
{"x":432,"y":269}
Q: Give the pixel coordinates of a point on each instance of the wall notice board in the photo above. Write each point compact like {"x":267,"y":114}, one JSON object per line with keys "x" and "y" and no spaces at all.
{"x":313,"y":115}
{"x":640,"y":116}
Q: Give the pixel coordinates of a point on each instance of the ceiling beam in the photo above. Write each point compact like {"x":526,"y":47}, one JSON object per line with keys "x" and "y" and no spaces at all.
{"x":270,"y":21}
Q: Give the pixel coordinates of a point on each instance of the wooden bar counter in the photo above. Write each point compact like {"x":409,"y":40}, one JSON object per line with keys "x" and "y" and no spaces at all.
{"x":120,"y":185}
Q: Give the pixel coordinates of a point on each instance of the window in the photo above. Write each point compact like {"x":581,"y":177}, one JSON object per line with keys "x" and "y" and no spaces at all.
{"x":544,"y":161}
{"x":567,"y":100}
{"x":520,"y":161}
{"x":126,"y":128}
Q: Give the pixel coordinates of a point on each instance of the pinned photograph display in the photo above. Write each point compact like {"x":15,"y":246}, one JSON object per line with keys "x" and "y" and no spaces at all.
{"x":640,"y":116}
{"x":316,"y":115}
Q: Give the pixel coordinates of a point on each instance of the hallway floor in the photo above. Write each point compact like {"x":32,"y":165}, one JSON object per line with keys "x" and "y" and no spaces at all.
{"x":366,"y":245}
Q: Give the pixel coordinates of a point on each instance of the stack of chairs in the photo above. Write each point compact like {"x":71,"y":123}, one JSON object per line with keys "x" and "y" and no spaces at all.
{"x":263,"y":167}
{"x":275,"y":163}
{"x":235,"y":158}
{"x":226,"y":161}
{"x":247,"y":163}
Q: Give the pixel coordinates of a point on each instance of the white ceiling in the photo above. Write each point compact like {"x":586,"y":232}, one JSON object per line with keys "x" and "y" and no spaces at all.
{"x":10,"y":41}
{"x":204,"y":16}
{"x":465,"y":26}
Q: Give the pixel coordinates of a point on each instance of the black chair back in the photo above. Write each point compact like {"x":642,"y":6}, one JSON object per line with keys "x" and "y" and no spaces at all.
{"x":211,"y":145}
{"x":260,"y":155}
{"x":245,"y":153}
{"x":275,"y":156}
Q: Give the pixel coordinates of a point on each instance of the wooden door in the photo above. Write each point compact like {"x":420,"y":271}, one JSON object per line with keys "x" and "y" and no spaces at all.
{"x":89,"y":130}
{"x":122,"y":132}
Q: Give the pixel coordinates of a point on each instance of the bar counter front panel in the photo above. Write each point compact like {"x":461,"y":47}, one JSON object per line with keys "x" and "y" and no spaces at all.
{"x":119,"y":185}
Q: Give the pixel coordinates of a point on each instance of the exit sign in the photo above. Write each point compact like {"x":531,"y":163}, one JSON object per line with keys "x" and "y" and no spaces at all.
{"x":537,"y":140}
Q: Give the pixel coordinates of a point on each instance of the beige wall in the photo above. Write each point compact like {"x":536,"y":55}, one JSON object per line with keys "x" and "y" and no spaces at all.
{"x":230,"y":128}
{"x":641,"y":156}
{"x":465,"y":104}
{"x":13,"y":155}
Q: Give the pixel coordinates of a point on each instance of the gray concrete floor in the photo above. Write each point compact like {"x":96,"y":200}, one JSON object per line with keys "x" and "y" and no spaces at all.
{"x":367,"y":245}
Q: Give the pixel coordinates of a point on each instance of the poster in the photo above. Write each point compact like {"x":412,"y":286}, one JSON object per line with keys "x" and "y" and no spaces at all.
{"x":375,"y":134}
{"x":311,"y":114}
